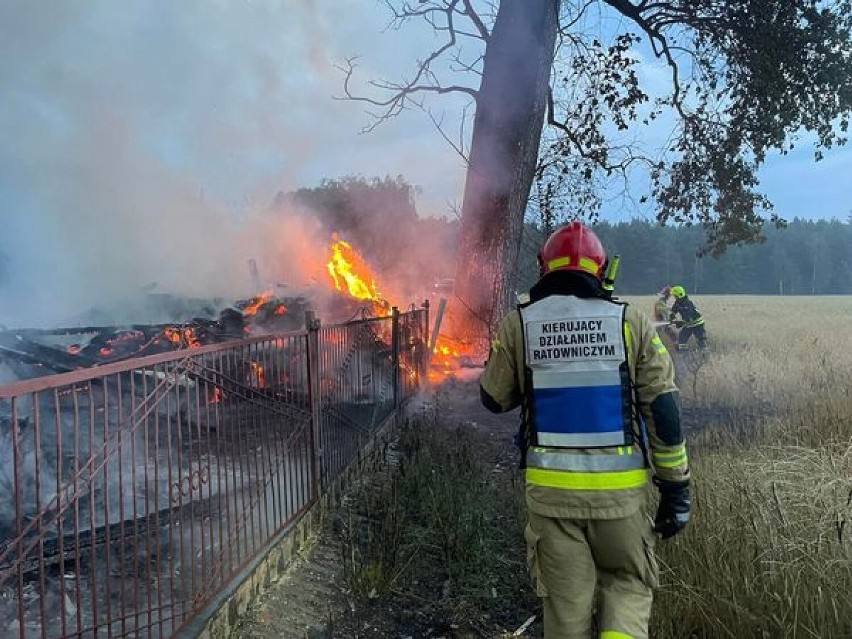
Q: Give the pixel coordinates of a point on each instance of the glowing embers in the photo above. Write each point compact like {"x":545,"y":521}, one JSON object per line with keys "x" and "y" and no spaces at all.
{"x":256,"y":375}
{"x":182,"y":337}
{"x":254,"y":304}
{"x":217,"y":396}
{"x":448,"y":357}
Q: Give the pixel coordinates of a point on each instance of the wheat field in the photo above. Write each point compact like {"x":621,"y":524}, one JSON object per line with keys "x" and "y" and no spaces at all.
{"x":768,"y":553}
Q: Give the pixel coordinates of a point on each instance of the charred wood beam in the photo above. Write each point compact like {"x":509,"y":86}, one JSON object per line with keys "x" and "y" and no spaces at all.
{"x":52,"y":359}
{"x":66,"y":548}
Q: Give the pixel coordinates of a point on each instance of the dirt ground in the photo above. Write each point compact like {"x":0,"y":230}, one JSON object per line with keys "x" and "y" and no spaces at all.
{"x":312,"y":599}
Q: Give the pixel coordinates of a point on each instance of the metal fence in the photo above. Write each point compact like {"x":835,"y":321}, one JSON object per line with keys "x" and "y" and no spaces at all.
{"x":132,"y":493}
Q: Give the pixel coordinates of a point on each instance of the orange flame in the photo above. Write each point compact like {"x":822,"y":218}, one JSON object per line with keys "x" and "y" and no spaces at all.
{"x":448,"y":357}
{"x":280,"y":309}
{"x":348,"y":266}
{"x":181,"y":336}
{"x":257,"y":375}
{"x":257,"y":302}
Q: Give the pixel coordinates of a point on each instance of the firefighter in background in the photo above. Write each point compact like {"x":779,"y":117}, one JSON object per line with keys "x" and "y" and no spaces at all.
{"x":691,"y":321}
{"x":661,"y":317}
{"x":599,"y":412}
{"x":661,"y":306}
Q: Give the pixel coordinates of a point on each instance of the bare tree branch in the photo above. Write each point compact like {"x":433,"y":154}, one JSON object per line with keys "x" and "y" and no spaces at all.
{"x":400,"y":95}
{"x":583,"y":152}
{"x":564,"y":29}
{"x":471,"y":13}
{"x":458,"y":147}
{"x":469,"y":67}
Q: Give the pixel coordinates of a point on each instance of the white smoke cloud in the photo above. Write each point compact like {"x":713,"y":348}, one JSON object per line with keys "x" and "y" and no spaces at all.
{"x":140,"y":140}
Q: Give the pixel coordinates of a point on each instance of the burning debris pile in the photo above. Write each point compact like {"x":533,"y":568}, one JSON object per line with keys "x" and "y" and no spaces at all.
{"x":349,"y":289}
{"x":29,"y":353}
{"x":345,"y":249}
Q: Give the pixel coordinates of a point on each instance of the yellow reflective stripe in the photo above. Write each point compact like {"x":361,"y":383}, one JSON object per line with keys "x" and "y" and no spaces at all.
{"x":671,"y":464}
{"x":625,"y":450}
{"x":590,"y":266}
{"x":679,"y":449}
{"x":670,"y":459}
{"x":614,"y":634}
{"x":656,"y":341}
{"x":587,"y":481}
{"x":584,"y":263}
{"x":496,"y":345}
{"x":628,"y":337}
{"x":559,"y":262}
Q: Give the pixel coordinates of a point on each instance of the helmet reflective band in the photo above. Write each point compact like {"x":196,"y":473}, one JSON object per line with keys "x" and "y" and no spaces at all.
{"x":573,"y":248}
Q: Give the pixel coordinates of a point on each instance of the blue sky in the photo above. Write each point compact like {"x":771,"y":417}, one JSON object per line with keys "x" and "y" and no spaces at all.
{"x":138,"y":136}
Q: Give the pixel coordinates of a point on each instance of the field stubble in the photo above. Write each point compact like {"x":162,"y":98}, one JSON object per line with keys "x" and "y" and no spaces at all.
{"x":768,"y":552}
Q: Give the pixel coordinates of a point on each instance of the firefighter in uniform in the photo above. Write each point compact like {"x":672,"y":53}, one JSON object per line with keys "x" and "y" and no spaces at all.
{"x":600,"y":418}
{"x":691,"y":321}
{"x":661,"y":306}
{"x":661,"y":315}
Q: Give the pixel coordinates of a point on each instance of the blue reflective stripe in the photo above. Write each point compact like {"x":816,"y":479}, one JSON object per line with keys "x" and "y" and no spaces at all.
{"x":592,"y":409}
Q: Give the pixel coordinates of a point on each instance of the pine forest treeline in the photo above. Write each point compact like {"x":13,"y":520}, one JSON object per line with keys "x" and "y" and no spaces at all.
{"x":805,"y":258}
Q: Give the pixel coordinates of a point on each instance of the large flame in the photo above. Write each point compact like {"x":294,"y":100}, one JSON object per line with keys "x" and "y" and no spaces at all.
{"x":349,"y":268}
{"x":351,"y":274}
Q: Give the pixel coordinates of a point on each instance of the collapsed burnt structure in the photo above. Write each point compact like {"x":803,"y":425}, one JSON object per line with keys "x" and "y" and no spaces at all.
{"x":26,"y":353}
{"x":143,"y":467}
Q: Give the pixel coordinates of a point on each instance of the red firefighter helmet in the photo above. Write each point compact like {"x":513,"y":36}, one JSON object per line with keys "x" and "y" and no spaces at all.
{"x":573,"y":248}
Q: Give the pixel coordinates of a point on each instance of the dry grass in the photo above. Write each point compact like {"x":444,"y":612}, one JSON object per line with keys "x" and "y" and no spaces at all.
{"x":768,"y":553}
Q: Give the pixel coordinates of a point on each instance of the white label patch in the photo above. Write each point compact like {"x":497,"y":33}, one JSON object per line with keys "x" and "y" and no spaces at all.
{"x":572,"y":340}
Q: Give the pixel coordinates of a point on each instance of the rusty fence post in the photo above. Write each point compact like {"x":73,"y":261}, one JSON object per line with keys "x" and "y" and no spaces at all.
{"x":425,"y":355}
{"x":312,"y":324}
{"x":395,"y":340}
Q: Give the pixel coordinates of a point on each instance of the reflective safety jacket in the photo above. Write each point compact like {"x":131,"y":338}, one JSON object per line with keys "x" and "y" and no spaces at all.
{"x":661,"y":311}
{"x":586,"y":372}
{"x":688,"y":312}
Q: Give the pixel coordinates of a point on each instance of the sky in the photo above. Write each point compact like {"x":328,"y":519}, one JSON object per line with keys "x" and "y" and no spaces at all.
{"x":139,"y":139}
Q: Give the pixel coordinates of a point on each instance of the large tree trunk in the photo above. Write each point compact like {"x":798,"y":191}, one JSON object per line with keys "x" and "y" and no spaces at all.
{"x":507,"y":128}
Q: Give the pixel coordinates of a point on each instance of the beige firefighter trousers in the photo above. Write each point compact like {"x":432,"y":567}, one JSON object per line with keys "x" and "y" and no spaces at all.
{"x":570,"y":560}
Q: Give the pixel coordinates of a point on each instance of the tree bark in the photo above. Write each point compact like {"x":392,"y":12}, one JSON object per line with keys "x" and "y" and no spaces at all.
{"x":507,"y":127}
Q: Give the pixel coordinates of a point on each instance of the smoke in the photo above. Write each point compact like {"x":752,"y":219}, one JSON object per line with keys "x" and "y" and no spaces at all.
{"x":143,"y":143}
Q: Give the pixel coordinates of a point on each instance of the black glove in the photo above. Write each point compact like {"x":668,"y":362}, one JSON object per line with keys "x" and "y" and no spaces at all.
{"x":673,"y":511}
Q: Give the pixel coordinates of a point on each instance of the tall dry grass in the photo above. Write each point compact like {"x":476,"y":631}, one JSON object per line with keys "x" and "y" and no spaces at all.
{"x":769,"y":550}
{"x":768,"y":553}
